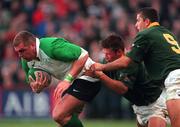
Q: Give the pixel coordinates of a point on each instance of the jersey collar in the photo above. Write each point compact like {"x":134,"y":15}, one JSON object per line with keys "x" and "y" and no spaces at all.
{"x":37,"y":47}
{"x":153,"y":24}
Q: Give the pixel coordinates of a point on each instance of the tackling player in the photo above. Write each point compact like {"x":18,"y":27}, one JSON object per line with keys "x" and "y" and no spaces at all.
{"x":135,"y":85}
{"x":160,"y":51}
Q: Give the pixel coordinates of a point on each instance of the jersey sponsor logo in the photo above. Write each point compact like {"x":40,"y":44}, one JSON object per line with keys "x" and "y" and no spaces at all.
{"x":133,"y":45}
{"x":77,"y":91}
{"x":31,"y":64}
{"x":124,"y":77}
{"x":45,"y":60}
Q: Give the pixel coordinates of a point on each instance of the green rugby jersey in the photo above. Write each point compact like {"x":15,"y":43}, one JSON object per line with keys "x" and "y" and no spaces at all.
{"x":159,"y":50}
{"x":141,"y":90}
{"x":55,"y":55}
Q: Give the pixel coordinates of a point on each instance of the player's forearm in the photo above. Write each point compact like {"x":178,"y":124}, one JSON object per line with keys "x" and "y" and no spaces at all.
{"x":115,"y":85}
{"x":122,"y":62}
{"x":78,"y":65}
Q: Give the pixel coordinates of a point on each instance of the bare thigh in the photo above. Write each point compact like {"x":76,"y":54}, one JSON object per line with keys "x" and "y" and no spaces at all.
{"x":66,"y":106}
{"x":156,"y":122}
{"x":173,"y":107}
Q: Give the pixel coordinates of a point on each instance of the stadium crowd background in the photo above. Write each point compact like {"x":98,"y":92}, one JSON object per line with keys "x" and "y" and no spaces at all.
{"x":84,"y":22}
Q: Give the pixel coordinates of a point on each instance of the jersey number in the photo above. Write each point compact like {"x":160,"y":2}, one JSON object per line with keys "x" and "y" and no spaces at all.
{"x":170,"y":39}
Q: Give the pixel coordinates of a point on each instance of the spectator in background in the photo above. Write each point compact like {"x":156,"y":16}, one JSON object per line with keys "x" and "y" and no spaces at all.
{"x":9,"y":68}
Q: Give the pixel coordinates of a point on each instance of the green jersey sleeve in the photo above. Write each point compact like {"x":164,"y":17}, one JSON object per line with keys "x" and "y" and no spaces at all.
{"x":139,"y":48}
{"x":127,"y":76}
{"x":25,"y":68}
{"x":65,"y":51}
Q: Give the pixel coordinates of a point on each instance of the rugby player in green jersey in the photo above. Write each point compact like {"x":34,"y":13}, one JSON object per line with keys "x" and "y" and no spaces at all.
{"x":160,"y":51}
{"x":135,"y":85}
{"x":66,"y":62}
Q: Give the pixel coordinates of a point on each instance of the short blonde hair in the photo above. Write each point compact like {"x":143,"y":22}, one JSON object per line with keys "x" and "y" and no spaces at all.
{"x":24,"y":37}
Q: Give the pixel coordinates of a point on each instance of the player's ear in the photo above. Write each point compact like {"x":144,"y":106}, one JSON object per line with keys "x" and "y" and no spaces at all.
{"x":119,"y":52}
{"x":147,"y":22}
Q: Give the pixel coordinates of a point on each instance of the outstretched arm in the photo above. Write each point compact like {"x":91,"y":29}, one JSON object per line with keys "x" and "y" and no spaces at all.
{"x":117,"y":86}
{"x":122,"y":62}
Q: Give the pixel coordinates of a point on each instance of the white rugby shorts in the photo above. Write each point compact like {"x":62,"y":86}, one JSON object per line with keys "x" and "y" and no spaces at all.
{"x":172,"y":85}
{"x":156,"y":109}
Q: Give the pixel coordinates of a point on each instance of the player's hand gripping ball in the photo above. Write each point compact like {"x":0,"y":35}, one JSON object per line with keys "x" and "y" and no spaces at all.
{"x":38,"y":79}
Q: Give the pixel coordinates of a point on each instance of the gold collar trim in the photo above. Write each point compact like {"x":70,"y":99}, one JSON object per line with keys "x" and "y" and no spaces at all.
{"x":153,"y":24}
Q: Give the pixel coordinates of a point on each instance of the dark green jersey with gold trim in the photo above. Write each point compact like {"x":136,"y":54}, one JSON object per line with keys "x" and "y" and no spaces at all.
{"x":141,"y":90}
{"x":159,"y":50}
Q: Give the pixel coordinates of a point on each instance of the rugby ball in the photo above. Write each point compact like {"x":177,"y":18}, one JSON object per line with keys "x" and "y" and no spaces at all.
{"x":32,"y":72}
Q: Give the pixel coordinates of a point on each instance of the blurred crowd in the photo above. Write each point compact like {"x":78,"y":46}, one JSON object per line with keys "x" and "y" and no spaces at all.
{"x":84,"y":22}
